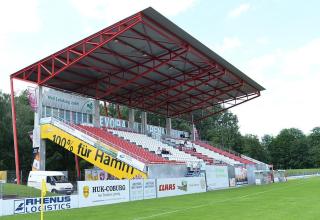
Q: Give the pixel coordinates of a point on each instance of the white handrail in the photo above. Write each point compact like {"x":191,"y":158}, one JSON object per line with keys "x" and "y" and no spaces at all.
{"x":98,"y":138}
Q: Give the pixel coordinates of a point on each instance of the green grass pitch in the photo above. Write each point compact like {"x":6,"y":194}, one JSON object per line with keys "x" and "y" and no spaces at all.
{"x":296,"y":199}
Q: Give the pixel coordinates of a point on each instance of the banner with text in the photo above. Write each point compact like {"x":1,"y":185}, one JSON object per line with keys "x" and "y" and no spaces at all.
{"x":32,"y":205}
{"x":217,"y":177}
{"x":93,"y":193}
{"x":136,"y":190}
{"x":149,"y":189}
{"x":180,"y":186}
{"x":98,"y":154}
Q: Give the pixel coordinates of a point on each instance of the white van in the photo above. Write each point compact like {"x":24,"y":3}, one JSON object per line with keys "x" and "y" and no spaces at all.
{"x":56,"y":181}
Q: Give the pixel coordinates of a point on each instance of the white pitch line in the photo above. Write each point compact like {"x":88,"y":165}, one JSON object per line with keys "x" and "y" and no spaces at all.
{"x":211,"y":203}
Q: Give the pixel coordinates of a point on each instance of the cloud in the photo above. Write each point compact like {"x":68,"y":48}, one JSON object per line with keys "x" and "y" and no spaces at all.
{"x":291,"y":100}
{"x":16,"y":18}
{"x":19,"y":16}
{"x":236,"y":12}
{"x":112,"y":11}
{"x":262,"y":40}
{"x":19,"y":25}
{"x":228,"y":43}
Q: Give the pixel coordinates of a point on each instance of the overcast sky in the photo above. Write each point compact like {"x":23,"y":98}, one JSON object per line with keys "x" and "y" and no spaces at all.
{"x":275,"y":42}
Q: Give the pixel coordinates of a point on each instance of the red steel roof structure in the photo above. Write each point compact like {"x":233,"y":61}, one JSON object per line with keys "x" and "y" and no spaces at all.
{"x":144,"y":62}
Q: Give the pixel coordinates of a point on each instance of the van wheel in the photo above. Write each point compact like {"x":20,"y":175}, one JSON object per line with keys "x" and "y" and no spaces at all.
{"x":54,"y":191}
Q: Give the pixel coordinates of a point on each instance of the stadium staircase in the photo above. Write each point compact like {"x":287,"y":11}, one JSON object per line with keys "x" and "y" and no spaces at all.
{"x":255,"y":161}
{"x":100,"y":148}
{"x":232,"y":158}
{"x":201,"y":156}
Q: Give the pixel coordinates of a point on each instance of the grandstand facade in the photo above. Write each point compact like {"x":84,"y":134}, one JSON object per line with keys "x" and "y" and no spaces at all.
{"x":143,"y":62}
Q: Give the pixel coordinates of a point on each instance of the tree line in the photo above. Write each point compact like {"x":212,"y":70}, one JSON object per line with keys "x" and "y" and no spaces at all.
{"x":291,"y":148}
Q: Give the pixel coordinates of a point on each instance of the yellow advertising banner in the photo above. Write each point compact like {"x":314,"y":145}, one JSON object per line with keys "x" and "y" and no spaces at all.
{"x":105,"y":159}
{"x":3,"y":176}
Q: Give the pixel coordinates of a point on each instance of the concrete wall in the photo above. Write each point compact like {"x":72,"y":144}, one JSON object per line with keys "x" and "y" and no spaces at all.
{"x":156,"y":171}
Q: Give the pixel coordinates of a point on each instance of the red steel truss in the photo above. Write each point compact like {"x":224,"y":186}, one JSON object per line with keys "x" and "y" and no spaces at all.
{"x":144,"y":62}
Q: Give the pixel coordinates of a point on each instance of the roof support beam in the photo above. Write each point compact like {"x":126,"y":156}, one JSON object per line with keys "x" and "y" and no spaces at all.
{"x":115,"y":88}
{"x":184,"y":91}
{"x":249,"y":97}
{"x":103,"y":38}
{"x":199,"y":104}
{"x":198,"y":76}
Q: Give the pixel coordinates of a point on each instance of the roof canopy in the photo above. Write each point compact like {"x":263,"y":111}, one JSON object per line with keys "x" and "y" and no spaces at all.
{"x":145,"y":62}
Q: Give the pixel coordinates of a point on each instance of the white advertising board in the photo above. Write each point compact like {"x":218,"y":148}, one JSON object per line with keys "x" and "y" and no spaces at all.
{"x":0,"y":207}
{"x":32,"y":205}
{"x":67,"y":101}
{"x":217,"y":177}
{"x":136,"y":189}
{"x":149,"y":189}
{"x":8,"y":207}
{"x":180,"y":186}
{"x":93,"y":193}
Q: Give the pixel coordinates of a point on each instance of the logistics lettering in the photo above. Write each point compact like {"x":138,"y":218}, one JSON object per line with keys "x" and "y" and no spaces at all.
{"x":31,"y":205}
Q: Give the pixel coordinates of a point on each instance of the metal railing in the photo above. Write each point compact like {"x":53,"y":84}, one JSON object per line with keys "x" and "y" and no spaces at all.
{"x":102,"y":140}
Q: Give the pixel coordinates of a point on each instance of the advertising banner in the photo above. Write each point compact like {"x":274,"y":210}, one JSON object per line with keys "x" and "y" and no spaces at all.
{"x":93,"y":193}
{"x":3,"y":177}
{"x":97,"y":144}
{"x":32,"y":205}
{"x":98,"y":155}
{"x":241,"y":175}
{"x":112,"y":122}
{"x":180,"y":186}
{"x":136,"y":190}
{"x":149,"y":189}
{"x":67,"y":101}
{"x":217,"y":177}
{"x":95,"y":174}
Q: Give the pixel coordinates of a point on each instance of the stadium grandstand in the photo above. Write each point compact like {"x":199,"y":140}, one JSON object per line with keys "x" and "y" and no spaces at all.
{"x":147,"y":63}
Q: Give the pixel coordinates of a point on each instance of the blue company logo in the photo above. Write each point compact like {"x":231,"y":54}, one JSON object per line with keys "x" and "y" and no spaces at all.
{"x":31,"y":205}
{"x":19,"y":206}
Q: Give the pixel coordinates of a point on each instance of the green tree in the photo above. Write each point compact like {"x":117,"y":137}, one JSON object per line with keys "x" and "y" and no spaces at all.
{"x":266,"y":142}
{"x":222,"y":130}
{"x":253,"y":148}
{"x":6,"y":141}
{"x":314,"y":141}
{"x":290,"y":149}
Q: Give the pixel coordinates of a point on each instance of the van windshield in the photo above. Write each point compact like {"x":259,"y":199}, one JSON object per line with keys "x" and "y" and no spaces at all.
{"x":59,"y":179}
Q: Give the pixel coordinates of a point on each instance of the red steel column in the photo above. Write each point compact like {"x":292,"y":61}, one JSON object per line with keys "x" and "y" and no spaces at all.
{"x":119,"y":112}
{"x":77,"y":166}
{"x":14,"y":127}
{"x":105,"y":108}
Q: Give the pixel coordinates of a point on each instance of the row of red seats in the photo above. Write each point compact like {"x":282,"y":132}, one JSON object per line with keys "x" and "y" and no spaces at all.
{"x":224,"y":153}
{"x":119,"y":143}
